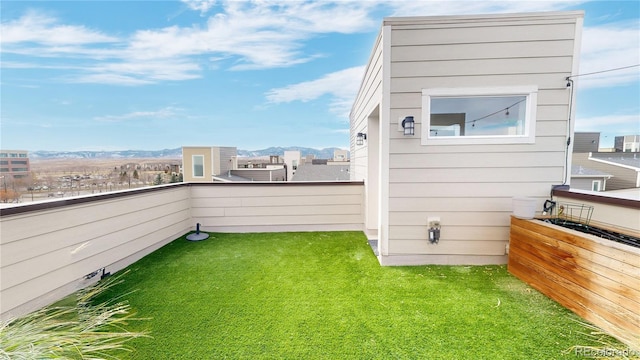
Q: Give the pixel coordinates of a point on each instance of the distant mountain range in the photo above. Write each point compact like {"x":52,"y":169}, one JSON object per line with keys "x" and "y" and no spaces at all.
{"x":326,"y":153}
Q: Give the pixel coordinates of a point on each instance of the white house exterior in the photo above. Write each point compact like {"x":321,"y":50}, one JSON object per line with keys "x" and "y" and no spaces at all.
{"x":584,"y":178}
{"x":206,"y":163}
{"x":292,"y":159}
{"x":492,"y":108}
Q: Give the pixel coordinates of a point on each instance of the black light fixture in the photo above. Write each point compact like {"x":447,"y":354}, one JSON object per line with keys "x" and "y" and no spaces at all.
{"x":408,"y":124}
{"x":360,"y":138}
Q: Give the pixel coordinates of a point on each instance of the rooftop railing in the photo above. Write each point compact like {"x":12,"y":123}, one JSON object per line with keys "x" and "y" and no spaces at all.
{"x":50,"y":249}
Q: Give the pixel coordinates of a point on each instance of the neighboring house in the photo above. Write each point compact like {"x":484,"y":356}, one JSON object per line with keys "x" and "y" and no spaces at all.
{"x":292,"y":159}
{"x":340,"y":155}
{"x":322,"y":171}
{"x":14,"y":164}
{"x":336,"y":169}
{"x":215,"y":163}
{"x":486,"y":112}
{"x":256,"y":170}
{"x":624,"y":166}
{"x":260,"y":162}
{"x":585,"y":142}
{"x":205,"y":163}
{"x":588,"y":179}
{"x":308,"y":159}
{"x":627,"y":143}
{"x":269,"y":173}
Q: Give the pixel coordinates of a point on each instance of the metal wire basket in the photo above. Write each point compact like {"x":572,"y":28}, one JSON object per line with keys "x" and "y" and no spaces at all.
{"x":579,"y":213}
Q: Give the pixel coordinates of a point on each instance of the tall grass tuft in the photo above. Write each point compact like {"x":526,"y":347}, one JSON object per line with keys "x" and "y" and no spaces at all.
{"x":83,"y":329}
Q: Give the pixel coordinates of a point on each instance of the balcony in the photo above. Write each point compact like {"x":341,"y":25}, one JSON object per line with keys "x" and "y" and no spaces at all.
{"x":50,"y":249}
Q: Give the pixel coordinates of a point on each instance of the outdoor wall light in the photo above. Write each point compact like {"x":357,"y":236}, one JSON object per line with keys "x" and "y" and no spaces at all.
{"x":434,"y":230}
{"x":360,"y":138}
{"x":408,"y":124}
{"x":434,"y":235}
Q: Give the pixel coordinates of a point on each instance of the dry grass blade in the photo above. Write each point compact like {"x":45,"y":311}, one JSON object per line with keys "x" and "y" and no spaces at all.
{"x":608,"y":348}
{"x":83,"y":329}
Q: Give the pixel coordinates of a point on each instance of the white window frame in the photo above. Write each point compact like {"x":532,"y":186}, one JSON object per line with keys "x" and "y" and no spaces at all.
{"x":530,"y":92}
{"x":598,"y":183}
{"x":193,"y":166}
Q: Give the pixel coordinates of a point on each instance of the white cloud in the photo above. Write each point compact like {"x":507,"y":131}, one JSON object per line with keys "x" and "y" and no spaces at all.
{"x":164,"y":113}
{"x":200,"y":5}
{"x":110,"y":79}
{"x":140,"y":72}
{"x":341,"y":85}
{"x":39,"y":28}
{"x":607,"y":47}
{"x":621,"y":124}
{"x":242,"y":35}
{"x":267,"y":34}
{"x":246,"y":34}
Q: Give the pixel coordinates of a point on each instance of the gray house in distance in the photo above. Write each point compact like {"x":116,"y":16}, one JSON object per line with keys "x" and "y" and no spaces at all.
{"x":624,"y":166}
{"x":588,"y":179}
{"x":455,"y":116}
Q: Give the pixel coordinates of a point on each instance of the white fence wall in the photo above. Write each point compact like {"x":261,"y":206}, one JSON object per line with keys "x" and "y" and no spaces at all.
{"x":266,"y":207}
{"x":47,"y":248}
{"x":47,"y":252}
{"x":622,"y":214}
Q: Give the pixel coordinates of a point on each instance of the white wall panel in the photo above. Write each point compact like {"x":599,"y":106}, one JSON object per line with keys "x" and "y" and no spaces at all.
{"x":47,"y":249}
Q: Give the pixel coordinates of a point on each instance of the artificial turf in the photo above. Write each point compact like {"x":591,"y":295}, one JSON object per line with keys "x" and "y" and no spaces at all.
{"x":323,"y":295}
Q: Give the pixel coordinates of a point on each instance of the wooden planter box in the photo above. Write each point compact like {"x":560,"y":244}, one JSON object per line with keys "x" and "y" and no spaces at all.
{"x":598,"y":279}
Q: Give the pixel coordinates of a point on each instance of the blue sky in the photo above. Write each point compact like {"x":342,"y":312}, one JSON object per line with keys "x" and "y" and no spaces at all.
{"x":118,"y":75}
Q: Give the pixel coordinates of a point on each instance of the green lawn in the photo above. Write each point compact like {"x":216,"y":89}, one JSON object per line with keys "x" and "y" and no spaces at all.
{"x":324,"y":296}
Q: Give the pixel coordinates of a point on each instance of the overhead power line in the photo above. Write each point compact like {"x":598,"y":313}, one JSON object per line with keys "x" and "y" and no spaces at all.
{"x":604,"y":71}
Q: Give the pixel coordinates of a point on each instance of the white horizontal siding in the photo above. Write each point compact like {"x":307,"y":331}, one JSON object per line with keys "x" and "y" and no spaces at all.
{"x":371,"y":86}
{"x":451,"y":219}
{"x":259,"y":208}
{"x":470,"y":187}
{"x":452,"y":247}
{"x":475,"y":160}
{"x":416,"y":84}
{"x":272,"y":190}
{"x":470,"y":190}
{"x":480,"y":33}
{"x":367,"y":99}
{"x":478,"y":233}
{"x":404,"y":145}
{"x":502,"y":50}
{"x":81,"y":219}
{"x":273,"y":201}
{"x":46,"y":252}
{"x":475,"y":175}
{"x":616,"y":216}
{"x":475,"y":67}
